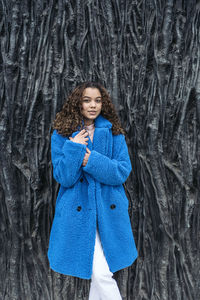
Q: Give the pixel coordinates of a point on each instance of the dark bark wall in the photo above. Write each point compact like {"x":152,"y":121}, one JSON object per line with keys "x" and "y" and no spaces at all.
{"x":147,"y":53}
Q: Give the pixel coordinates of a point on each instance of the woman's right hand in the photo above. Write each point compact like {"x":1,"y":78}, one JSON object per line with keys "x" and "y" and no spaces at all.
{"x":80,"y":138}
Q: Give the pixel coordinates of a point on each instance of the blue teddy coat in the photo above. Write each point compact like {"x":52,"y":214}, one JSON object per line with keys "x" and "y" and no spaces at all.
{"x":90,"y":196}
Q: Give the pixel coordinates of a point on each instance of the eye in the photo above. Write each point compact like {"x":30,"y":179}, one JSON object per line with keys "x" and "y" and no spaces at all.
{"x":98,"y":100}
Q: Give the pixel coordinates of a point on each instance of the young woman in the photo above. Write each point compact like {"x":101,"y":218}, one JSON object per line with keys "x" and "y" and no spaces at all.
{"x":91,"y":235}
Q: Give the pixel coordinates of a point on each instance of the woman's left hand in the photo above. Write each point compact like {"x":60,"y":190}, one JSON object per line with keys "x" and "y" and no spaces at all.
{"x":85,"y":159}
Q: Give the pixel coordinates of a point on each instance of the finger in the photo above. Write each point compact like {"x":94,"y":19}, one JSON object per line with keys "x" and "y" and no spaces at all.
{"x":85,"y":133}
{"x":81,"y":132}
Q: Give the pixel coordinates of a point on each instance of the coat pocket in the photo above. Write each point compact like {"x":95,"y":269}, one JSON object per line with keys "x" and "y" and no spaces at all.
{"x":123,"y":198}
{"x":66,"y":201}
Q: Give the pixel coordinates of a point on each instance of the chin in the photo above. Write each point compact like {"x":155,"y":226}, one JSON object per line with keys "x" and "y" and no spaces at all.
{"x":92,"y":117}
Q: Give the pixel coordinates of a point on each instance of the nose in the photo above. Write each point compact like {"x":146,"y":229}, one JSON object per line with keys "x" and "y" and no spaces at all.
{"x":92,"y":104}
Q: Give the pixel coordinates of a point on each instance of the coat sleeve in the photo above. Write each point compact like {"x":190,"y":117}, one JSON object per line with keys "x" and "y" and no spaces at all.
{"x":113,"y":171}
{"x":67,"y":158}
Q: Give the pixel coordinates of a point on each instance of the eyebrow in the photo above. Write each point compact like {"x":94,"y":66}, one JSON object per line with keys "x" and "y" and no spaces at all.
{"x":90,"y":97}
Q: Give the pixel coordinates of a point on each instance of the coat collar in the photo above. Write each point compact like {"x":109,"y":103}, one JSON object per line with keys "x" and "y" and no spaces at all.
{"x":101,"y":122}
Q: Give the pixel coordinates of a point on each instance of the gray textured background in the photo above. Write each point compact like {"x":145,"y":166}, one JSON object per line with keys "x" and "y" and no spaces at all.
{"x":147,"y":54}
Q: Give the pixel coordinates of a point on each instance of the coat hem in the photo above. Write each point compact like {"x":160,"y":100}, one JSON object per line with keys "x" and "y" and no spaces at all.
{"x":113,"y":270}
{"x":69,"y":273}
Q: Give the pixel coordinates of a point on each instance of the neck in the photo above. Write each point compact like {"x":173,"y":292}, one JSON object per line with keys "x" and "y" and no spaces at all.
{"x":88,"y":122}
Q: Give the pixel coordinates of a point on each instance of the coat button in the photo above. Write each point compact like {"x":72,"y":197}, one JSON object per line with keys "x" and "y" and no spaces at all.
{"x":79,"y":208}
{"x":81,"y":180}
{"x":112,"y":206}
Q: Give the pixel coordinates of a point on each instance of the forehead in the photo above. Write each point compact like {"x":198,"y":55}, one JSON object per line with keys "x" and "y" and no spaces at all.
{"x":91,"y":92}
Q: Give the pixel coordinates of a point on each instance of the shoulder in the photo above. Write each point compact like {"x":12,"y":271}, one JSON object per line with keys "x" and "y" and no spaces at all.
{"x":57,"y":138}
{"x":119,"y":143}
{"x":58,"y":135}
{"x":119,"y":138}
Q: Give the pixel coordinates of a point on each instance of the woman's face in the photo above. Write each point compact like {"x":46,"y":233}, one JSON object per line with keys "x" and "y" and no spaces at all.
{"x":91,"y":104}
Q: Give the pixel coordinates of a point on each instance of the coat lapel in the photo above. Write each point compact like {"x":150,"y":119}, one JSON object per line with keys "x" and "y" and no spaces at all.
{"x":102,"y":139}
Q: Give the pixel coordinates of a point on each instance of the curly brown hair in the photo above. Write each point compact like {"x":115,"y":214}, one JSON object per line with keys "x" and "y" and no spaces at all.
{"x":70,"y":117}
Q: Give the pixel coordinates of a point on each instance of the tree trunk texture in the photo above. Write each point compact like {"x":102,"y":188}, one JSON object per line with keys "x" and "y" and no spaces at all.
{"x":147,"y":54}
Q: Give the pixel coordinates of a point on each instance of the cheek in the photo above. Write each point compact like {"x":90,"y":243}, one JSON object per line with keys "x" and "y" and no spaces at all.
{"x":84,"y":107}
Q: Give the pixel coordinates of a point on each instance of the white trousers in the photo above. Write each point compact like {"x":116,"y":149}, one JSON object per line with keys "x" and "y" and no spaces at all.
{"x":103,"y":286}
